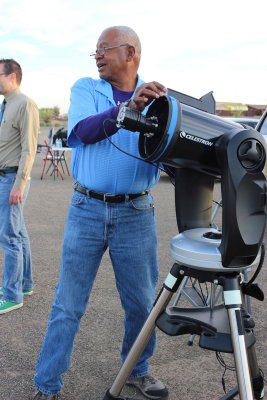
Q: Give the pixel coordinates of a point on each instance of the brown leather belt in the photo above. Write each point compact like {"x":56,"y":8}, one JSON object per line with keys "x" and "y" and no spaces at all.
{"x":106,"y":197}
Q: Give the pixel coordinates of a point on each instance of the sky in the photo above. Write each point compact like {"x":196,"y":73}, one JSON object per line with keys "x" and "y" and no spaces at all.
{"x":191,"y":46}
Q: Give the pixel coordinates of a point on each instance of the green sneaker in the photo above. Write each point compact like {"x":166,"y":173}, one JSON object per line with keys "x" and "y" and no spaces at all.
{"x":26,"y":292}
{"x":6,"y":306}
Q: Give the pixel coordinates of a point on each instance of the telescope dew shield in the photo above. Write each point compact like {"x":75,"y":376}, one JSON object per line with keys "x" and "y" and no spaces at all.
{"x":185,"y":136}
{"x":167,"y":110}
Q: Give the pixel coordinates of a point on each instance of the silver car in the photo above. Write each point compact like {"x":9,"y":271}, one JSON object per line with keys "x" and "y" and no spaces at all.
{"x":245,"y":121}
{"x":262,"y":128}
{"x":262,"y":125}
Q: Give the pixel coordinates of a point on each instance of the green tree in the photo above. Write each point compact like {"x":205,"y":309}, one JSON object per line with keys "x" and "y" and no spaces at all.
{"x":48,"y":114}
{"x":56,"y":111}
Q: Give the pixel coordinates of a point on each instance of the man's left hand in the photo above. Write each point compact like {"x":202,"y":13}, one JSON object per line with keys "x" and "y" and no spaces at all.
{"x":15,"y":197}
{"x":146,"y":93}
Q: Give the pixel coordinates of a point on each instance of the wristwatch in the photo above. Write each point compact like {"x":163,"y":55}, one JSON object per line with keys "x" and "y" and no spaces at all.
{"x":126,"y":103}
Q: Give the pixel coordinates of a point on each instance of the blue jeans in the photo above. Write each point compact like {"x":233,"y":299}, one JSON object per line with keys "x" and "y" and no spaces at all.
{"x":128,"y":230}
{"x":14,"y":240}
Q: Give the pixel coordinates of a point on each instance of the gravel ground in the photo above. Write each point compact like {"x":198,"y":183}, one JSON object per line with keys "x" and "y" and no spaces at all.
{"x":188,"y":372}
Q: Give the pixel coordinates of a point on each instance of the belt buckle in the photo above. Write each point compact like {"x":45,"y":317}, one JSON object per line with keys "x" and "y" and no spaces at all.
{"x":109,"y":197}
{"x":106,"y":196}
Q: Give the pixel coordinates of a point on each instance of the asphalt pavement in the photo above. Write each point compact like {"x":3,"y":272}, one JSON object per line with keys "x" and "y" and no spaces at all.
{"x":188,"y":371}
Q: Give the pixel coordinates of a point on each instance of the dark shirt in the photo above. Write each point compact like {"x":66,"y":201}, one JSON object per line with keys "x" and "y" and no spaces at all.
{"x":92,"y":129}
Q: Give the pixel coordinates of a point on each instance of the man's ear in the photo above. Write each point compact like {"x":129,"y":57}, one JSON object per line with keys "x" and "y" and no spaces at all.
{"x":131,"y":53}
{"x":13,"y":77}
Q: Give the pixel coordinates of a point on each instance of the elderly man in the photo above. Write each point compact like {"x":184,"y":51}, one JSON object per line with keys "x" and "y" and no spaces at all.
{"x":19,"y":127}
{"x":111,"y":208}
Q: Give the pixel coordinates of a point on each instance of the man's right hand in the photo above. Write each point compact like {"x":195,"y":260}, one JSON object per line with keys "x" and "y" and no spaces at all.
{"x":145,"y":94}
{"x":15,"y":197}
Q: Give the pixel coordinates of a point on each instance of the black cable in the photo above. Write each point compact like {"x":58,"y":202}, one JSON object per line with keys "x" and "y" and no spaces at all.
{"x":223,"y":363}
{"x":128,"y":154}
{"x":200,"y":295}
{"x":256,"y":273}
{"x":219,"y":203}
{"x":225,"y":366}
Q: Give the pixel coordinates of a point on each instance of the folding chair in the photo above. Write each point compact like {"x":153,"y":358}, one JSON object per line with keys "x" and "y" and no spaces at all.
{"x":49,"y":157}
{"x":60,"y":158}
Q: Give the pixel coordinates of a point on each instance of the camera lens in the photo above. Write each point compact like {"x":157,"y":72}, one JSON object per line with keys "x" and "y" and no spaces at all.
{"x":135,"y":121}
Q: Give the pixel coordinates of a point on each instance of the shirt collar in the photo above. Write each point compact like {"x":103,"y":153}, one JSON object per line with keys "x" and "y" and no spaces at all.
{"x":11,"y":95}
{"x":105,"y":88}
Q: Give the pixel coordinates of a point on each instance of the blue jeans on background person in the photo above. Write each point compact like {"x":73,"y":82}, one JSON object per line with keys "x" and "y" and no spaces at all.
{"x":15,"y":243}
{"x":129,"y":230}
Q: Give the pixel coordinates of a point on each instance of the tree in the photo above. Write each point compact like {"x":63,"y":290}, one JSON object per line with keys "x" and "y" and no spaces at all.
{"x":47,"y":114}
{"x":56,"y":111}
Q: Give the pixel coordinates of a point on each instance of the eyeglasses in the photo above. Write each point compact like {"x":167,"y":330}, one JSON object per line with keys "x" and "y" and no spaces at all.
{"x":103,"y":51}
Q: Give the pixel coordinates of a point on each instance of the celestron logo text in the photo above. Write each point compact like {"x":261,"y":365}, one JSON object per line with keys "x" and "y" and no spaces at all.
{"x":185,"y":135}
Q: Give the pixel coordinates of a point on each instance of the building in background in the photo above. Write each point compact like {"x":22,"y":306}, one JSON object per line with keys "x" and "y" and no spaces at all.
{"x":225,"y":109}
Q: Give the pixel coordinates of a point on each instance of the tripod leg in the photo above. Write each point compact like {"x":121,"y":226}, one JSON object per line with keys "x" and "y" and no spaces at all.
{"x":180,"y":291}
{"x":256,"y":375}
{"x":255,"y":372}
{"x":170,"y":286}
{"x":232,"y":299}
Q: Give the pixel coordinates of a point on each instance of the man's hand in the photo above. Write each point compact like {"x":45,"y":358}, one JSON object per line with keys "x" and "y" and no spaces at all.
{"x":145,"y":94}
{"x":15,"y":196}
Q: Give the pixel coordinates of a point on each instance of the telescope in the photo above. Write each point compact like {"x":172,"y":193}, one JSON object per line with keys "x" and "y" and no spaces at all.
{"x":183,"y":132}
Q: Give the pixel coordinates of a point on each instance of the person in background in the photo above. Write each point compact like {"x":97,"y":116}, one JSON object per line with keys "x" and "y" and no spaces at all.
{"x":19,"y":127}
{"x":111,"y":208}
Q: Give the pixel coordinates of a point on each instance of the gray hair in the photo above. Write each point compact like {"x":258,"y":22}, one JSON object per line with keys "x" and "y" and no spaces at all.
{"x":128,"y":35}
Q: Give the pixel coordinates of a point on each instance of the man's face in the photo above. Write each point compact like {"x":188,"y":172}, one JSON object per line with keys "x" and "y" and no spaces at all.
{"x":113,"y":63}
{"x":4,"y":80}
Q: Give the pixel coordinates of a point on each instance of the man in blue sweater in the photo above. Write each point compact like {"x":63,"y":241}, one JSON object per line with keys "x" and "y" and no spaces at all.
{"x":111,"y":208}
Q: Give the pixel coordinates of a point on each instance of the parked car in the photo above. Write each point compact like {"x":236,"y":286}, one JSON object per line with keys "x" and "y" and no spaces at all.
{"x":245,"y":120}
{"x":262,"y":125}
{"x":262,"y":128}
